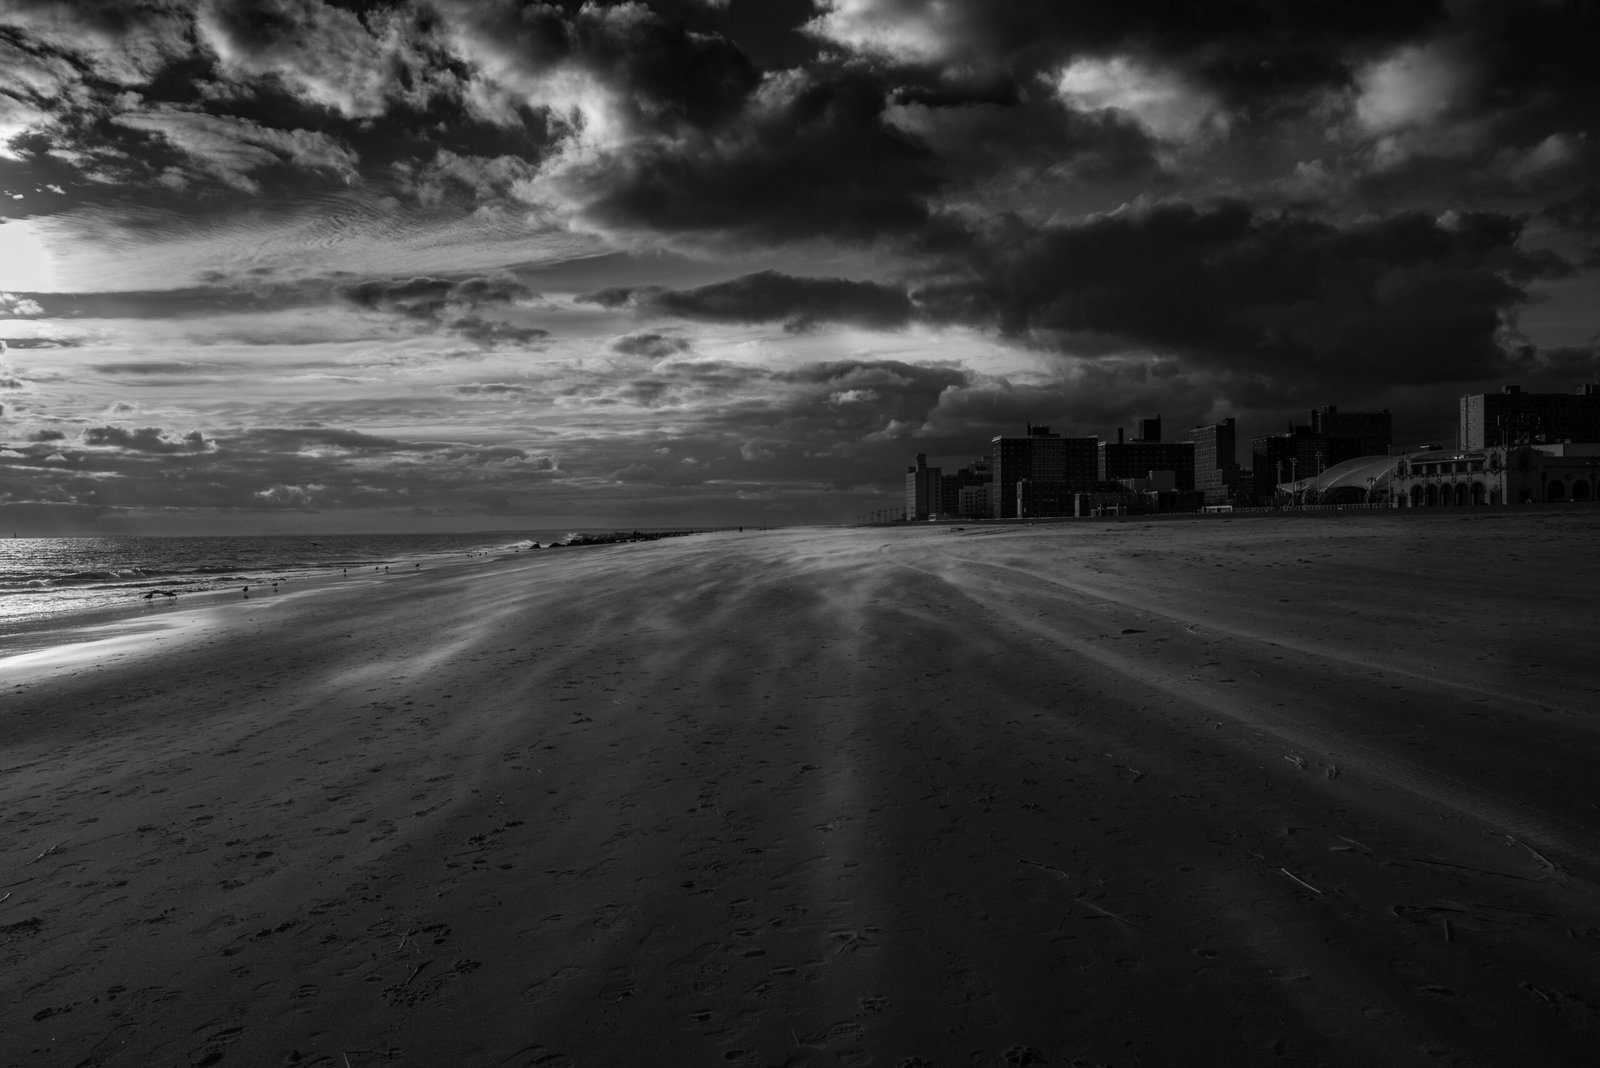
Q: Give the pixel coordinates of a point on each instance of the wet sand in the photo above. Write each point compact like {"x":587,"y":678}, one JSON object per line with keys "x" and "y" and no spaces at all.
{"x":1242,"y":792}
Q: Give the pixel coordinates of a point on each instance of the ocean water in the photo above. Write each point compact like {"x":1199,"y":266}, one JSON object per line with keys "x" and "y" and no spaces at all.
{"x":45,"y":581}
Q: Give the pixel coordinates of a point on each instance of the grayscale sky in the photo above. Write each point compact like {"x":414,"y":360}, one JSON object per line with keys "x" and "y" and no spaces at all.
{"x":341,"y":265}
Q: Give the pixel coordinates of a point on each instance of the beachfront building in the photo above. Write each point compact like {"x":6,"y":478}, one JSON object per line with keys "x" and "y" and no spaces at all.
{"x":1038,"y":456}
{"x":1279,"y":458}
{"x":1457,"y":478}
{"x":1138,"y":458}
{"x":972,"y":502}
{"x":1332,"y":438}
{"x":1216,"y":471}
{"x":966,"y":493}
{"x":1512,"y":417}
{"x":1353,"y":434}
{"x":1517,"y":474}
{"x":922,"y":489}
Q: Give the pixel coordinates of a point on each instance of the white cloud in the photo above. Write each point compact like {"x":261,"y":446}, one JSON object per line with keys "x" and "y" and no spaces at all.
{"x":1411,"y":88}
{"x":1162,"y":102}
{"x":924,"y":36}
{"x":230,"y":147}
{"x":15,"y":307}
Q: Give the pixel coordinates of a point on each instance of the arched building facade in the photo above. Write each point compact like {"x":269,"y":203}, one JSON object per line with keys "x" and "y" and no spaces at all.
{"x":1474,"y":478}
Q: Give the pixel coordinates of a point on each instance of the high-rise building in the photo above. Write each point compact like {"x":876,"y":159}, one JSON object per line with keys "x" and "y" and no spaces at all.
{"x":1216,"y":471}
{"x":1511,"y":417}
{"x":966,"y":493}
{"x":1137,"y":458}
{"x":1279,"y":458}
{"x":1353,"y":434}
{"x":1038,"y":455}
{"x":922,"y":489}
{"x":1064,"y":465}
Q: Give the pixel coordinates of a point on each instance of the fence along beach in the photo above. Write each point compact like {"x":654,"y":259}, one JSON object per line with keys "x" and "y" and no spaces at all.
{"x":1117,"y":794}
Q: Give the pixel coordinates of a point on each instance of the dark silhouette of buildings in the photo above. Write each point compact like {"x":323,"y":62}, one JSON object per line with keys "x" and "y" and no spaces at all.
{"x":1039,"y":457}
{"x":1332,"y":438}
{"x":966,"y":493}
{"x":1353,"y":434}
{"x":1516,"y":448}
{"x":1138,"y":458}
{"x":1216,"y":469}
{"x":931,"y":492}
{"x":1512,"y":416}
{"x":922,"y":489}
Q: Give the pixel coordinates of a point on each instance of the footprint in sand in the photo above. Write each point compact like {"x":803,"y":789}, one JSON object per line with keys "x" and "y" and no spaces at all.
{"x":549,"y":988}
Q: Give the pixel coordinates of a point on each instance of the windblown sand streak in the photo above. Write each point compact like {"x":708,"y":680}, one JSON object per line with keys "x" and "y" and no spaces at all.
{"x":1133,"y":794}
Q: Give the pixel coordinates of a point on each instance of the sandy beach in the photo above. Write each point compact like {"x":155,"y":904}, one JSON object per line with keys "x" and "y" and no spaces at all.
{"x":1229,"y":791}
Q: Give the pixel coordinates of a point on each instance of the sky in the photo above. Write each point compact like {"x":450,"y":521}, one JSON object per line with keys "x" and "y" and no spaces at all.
{"x":335,"y":265}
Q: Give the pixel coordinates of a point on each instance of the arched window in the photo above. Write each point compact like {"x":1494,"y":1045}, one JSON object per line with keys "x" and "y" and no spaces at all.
{"x":1580,"y":490}
{"x":1461,"y":493}
{"x":1555,"y":491}
{"x":1477,"y":493}
{"x":1416,"y":497}
{"x":1431,"y":496}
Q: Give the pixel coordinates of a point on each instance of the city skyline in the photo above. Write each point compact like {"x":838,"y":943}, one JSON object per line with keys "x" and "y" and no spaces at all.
{"x":305,"y":265}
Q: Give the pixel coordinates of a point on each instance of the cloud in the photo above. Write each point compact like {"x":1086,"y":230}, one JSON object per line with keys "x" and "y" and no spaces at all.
{"x":636,"y":472}
{"x":125,"y":42}
{"x":1161,"y":101}
{"x":611,"y":72}
{"x":492,"y":389}
{"x":147,"y":439}
{"x":352,"y":64}
{"x":449,"y":305}
{"x":769,"y":296}
{"x":13,"y":306}
{"x":429,"y":298}
{"x":1580,"y":216}
{"x":1404,"y":298}
{"x":651,"y":346}
{"x":811,"y":158}
{"x":230,"y":148}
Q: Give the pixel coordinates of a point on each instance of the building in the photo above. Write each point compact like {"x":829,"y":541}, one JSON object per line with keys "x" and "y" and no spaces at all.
{"x":1513,"y":417}
{"x":1039,"y":456}
{"x":1440,"y":478}
{"x":966,"y":493}
{"x":1137,"y":458}
{"x":1280,"y":458}
{"x":1216,"y":471}
{"x":1353,"y":434}
{"x":922,"y":489}
{"x":972,"y":502}
{"x":1513,"y":474}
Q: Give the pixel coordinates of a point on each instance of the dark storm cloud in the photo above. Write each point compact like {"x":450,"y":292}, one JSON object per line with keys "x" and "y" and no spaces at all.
{"x":488,"y":332}
{"x":819,"y":160}
{"x":665,"y":77}
{"x":144,"y":439}
{"x":428,"y":298}
{"x":492,"y":389}
{"x":1580,"y":215}
{"x":650,"y":346}
{"x":1407,"y":298}
{"x":240,"y":295}
{"x":771,"y":296}
{"x":1246,"y":46}
{"x":40,"y":343}
{"x":449,"y":305}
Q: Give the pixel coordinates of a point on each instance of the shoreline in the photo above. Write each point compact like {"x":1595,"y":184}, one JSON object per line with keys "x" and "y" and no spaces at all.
{"x":825,"y":797}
